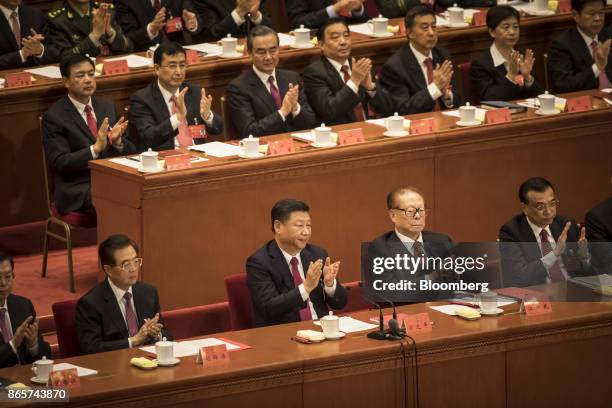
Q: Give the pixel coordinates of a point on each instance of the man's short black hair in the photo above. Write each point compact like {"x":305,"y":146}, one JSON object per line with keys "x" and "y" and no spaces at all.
{"x":106,"y":250}
{"x":578,"y":5}
{"x":7,"y":257}
{"x":415,"y":12}
{"x":497,"y":14}
{"x":330,"y":22}
{"x":72,"y":60}
{"x":392,"y":196}
{"x":168,"y":48}
{"x":282,"y":209}
{"x":537,"y":184}
{"x":259,"y":31}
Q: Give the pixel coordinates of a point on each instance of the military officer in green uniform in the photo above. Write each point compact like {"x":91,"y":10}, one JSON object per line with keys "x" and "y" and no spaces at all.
{"x":86,"y":27}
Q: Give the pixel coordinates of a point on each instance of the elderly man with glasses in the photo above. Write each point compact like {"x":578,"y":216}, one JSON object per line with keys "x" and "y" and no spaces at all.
{"x":538,"y":246}
{"x":119,"y":312}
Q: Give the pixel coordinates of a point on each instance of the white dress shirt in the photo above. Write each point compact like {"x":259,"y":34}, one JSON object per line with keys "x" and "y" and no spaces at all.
{"x":264,"y":79}
{"x":7,"y":13}
{"x":550,"y":258}
{"x":119,"y":293}
{"x":80,"y":107}
{"x":588,"y":40}
{"x":432,"y":88}
{"x":338,"y":67}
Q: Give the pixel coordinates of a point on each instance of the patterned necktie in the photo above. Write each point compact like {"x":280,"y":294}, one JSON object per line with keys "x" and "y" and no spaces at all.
{"x":130,"y":315}
{"x":305,"y":313}
{"x":604,"y":81}
{"x":184,"y":135}
{"x":429,"y":64}
{"x":357,"y":110}
{"x":91,"y":122}
{"x":556,"y":275}
{"x":7,"y":333}
{"x":16,"y":28}
{"x":417,"y":249}
{"x":274,"y":92}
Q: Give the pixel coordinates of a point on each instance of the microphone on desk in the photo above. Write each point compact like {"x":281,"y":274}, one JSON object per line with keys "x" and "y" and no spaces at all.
{"x":380,"y":333}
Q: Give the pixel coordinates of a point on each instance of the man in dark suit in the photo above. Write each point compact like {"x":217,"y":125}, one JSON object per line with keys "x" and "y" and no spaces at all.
{"x":502,"y":73}
{"x":78,"y":128}
{"x":289,"y":279}
{"x":119,"y":312}
{"x":235,"y":17}
{"x":579,"y":58}
{"x":164,"y":113}
{"x":265,"y":100}
{"x":538,"y":246}
{"x":145,"y":21}
{"x":20,"y":341}
{"x":419,"y":75}
{"x":598,"y":223}
{"x":313,"y":13}
{"x":24,"y":36}
{"x":339,"y":89}
{"x":88,"y":28}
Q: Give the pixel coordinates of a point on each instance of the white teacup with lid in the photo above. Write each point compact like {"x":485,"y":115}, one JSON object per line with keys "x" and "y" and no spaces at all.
{"x":164,"y":350}
{"x":42,"y":368}
{"x":395,"y":123}
{"x":148,"y":160}
{"x":455,"y":15}
{"x":229,"y":45}
{"x":330,"y":325}
{"x":302,"y":36}
{"x":467,"y":113}
{"x":379,"y":25}
{"x":547,"y":103}
{"x":249,"y":146}
{"x":322,"y":135}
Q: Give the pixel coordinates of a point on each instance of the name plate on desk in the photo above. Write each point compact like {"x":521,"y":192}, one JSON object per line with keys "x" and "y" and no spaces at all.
{"x":350,"y":136}
{"x":64,"y":378}
{"x":565,"y":6}
{"x":178,"y":161}
{"x":115,"y":67}
{"x":416,"y":323}
{"x":281,"y":147}
{"x":579,"y":104}
{"x":495,"y":116}
{"x":192,"y":57}
{"x":537,"y":307}
{"x":422,"y":126}
{"x":17,"y":79}
{"x":480,"y":18}
{"x":213,"y":354}
{"x":198,"y":131}
{"x":174,"y":24}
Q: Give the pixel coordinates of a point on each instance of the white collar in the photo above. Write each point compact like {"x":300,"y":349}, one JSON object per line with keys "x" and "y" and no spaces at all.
{"x":7,"y":12}
{"x":165,"y":94}
{"x":80,"y":107}
{"x":119,"y":292}
{"x":338,"y":66}
{"x":289,"y":256}
{"x":5,"y":305}
{"x":264,"y":77}
{"x":498,"y":59}
{"x":407,"y":239}
{"x":420,"y":57}
{"x":538,"y":230}
{"x":588,"y":40}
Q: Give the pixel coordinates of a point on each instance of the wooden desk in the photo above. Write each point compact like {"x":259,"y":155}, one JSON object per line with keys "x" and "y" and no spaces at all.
{"x":199,"y":225}
{"x":20,"y":154}
{"x":511,"y":361}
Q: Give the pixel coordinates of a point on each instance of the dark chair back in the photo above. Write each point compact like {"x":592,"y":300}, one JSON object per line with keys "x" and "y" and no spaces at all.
{"x":240,"y":302}
{"x":63,"y":314}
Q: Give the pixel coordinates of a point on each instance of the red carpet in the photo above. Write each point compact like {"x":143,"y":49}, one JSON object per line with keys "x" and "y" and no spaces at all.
{"x":55,"y":287}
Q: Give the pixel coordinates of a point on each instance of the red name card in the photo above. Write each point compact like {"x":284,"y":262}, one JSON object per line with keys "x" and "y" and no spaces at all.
{"x":480,"y":18}
{"x":538,"y":307}
{"x":422,"y":126}
{"x":115,"y":67}
{"x":565,"y":6}
{"x":198,"y":131}
{"x":498,"y":116}
{"x":402,"y":28}
{"x":345,"y":12}
{"x":579,"y":104}
{"x":416,"y":323}
{"x":192,"y":57}
{"x":178,"y":161}
{"x":18,"y":79}
{"x":214,"y":354}
{"x":174,"y":24}
{"x":64,"y":378}
{"x":281,"y":147}
{"x":350,"y":136}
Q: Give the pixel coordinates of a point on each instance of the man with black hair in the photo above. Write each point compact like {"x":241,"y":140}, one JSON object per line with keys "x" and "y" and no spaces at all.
{"x":20,"y":340}
{"x":78,"y":128}
{"x":164,"y":113}
{"x":266,"y":100}
{"x":538,"y":246}
{"x":339,"y":88}
{"x":235,"y":17}
{"x":313,"y":13}
{"x":579,"y":58}
{"x":419,"y":76}
{"x":119,"y":312}
{"x":502,"y":73}
{"x":291,"y":280}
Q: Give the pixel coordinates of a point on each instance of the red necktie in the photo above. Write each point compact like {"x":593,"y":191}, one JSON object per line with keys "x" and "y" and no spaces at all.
{"x":274,"y":92}
{"x":357,"y":110}
{"x":305,"y":313}
{"x":6,"y":330}
{"x":184,"y":135}
{"x":429,"y":64}
{"x":16,"y":28}
{"x":604,"y":82}
{"x":91,"y":122}
{"x":556,"y":275}
{"x":130,"y":315}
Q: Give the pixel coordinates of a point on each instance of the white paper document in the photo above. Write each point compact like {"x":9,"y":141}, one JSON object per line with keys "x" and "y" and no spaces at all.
{"x":450,"y":309}
{"x":363,"y":28}
{"x":480,"y":114}
{"x":51,"y":71}
{"x":211,"y":50}
{"x":133,"y":60}
{"x":594,"y":282}
{"x":81,"y":371}
{"x":192,"y":347}
{"x":305,"y":136}
{"x":124,"y":161}
{"x":285,"y":39}
{"x":217,"y":149}
{"x":349,"y":325}
{"x":535,"y":103}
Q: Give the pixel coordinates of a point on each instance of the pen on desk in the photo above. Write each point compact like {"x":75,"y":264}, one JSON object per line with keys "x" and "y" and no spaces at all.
{"x":465,"y":304}
{"x":135,"y":158}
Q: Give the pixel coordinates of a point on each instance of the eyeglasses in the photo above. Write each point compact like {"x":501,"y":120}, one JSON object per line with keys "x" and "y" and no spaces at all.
{"x":412,"y":212}
{"x":543,"y":206}
{"x":132,"y":264}
{"x":6,"y":277}
{"x":173,"y":66}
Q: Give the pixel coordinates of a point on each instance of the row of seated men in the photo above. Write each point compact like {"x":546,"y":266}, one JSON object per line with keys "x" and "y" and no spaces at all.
{"x":292,"y":280}
{"x":268,"y":100}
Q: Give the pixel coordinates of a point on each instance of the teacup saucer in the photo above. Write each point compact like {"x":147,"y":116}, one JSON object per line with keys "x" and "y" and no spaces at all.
{"x":541,"y":113}
{"x":302,"y":46}
{"x":169,"y":363}
{"x":37,"y":380}
{"x":319,"y":145}
{"x":159,"y":168}
{"x":472,"y":123}
{"x":248,"y":156}
{"x":401,"y":133}
{"x":495,"y":312}
{"x":234,"y":55}
{"x":458,"y":25}
{"x":338,"y":336}
{"x":382,"y":35}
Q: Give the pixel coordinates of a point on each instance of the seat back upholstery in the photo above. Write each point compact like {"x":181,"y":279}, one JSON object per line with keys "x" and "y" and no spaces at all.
{"x":198,"y":320}
{"x":240,"y":302}
{"x":63,"y":314}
